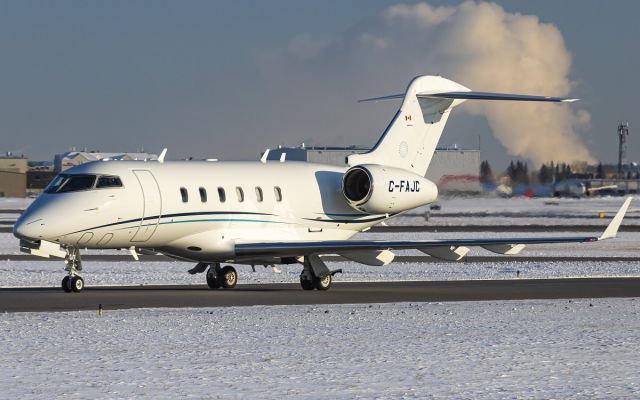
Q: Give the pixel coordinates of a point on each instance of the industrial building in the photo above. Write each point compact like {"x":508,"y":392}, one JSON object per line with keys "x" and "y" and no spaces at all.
{"x":64,"y":161}
{"x":13,"y":175}
{"x":453,"y":170}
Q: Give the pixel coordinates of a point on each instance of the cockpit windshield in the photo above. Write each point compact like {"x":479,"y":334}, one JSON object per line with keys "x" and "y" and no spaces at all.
{"x":64,"y":183}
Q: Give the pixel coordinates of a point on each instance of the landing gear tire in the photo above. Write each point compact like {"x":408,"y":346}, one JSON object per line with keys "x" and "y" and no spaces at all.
{"x":323,"y":283}
{"x":228,"y":277}
{"x":307,"y":284}
{"x":212,"y":279}
{"x":65,"y":284}
{"x":76,"y":284}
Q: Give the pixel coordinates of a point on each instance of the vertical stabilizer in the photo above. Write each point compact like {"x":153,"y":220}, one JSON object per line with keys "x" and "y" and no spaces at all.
{"x":412,"y":136}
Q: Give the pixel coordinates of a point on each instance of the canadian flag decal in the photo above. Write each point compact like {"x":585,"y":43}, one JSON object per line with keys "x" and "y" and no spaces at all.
{"x":407,"y":117}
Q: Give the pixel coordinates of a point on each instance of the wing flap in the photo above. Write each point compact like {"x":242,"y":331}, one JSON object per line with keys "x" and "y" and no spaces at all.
{"x":451,"y":253}
{"x":505,"y":249}
{"x":376,"y":258}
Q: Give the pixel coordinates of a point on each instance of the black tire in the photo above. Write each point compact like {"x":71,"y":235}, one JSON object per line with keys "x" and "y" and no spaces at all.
{"x":228,"y":277}
{"x":212,"y":279}
{"x":77,"y":284}
{"x":65,"y":284}
{"x":323,"y":283}
{"x":307,"y":284}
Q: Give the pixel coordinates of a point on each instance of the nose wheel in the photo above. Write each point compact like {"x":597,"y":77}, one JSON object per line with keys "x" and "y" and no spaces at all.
{"x":72,"y":284}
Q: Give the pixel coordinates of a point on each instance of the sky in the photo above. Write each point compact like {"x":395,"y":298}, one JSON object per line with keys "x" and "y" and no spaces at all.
{"x":228,"y":79}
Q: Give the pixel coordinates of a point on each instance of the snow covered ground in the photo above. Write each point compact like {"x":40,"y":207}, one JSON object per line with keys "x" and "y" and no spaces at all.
{"x":520,"y":211}
{"x":12,"y":203}
{"x":481,"y":350}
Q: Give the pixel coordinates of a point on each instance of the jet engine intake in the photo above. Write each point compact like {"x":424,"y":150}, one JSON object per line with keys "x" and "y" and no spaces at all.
{"x":377,"y":189}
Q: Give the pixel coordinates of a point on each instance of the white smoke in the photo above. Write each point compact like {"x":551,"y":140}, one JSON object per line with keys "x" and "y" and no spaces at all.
{"x":479,"y":45}
{"x":487,"y":48}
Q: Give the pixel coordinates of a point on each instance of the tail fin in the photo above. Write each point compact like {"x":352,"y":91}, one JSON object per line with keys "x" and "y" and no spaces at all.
{"x":412,"y":136}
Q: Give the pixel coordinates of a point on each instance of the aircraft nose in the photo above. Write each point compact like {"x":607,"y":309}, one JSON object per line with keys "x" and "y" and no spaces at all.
{"x":28,"y":227}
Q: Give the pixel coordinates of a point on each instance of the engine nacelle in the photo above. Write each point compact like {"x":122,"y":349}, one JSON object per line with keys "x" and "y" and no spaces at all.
{"x":377,"y":189}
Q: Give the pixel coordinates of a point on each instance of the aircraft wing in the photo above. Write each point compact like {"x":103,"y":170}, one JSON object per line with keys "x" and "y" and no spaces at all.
{"x":448,"y":249}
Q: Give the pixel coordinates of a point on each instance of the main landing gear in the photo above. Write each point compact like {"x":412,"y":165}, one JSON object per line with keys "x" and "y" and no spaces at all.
{"x":72,"y":282}
{"x":225,"y":277}
{"x":316,"y":274}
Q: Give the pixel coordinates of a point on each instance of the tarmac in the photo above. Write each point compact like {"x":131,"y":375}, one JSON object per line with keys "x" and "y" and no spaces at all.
{"x":120,"y":297}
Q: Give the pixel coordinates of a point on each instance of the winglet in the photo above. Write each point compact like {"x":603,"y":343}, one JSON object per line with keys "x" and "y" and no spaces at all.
{"x":612,"y":229}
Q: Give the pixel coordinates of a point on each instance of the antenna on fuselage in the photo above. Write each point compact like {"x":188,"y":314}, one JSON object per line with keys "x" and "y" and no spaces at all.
{"x":263,"y":159}
{"x":161,"y":157}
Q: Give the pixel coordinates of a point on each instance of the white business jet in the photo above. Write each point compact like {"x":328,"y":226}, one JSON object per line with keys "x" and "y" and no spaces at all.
{"x":264,"y":212}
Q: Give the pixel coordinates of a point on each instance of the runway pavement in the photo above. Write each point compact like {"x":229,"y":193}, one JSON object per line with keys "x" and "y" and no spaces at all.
{"x":54,"y":299}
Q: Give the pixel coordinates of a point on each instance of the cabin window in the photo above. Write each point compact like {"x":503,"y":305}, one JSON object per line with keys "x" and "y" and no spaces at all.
{"x":108,"y":182}
{"x":259,"y":194}
{"x":203,"y":194}
{"x":240,"y":194}
{"x":278,"y":193}
{"x":184,"y":194}
{"x":71,"y":183}
{"x":222,"y":195}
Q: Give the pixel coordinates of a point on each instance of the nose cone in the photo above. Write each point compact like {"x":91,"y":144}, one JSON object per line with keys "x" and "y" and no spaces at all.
{"x":31,"y":224}
{"x":28,"y":226}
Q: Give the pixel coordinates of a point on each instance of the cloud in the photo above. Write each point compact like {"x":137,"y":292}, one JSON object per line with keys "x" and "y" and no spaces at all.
{"x":478,"y":44}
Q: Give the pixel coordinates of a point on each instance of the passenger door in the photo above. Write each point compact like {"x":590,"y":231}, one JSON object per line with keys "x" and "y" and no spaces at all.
{"x":152,"y":205}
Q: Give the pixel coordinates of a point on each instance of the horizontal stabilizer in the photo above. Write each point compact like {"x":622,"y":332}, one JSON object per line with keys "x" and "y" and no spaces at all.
{"x":475,"y":96}
{"x":390,"y":97}
{"x":495,"y":96}
{"x":505,"y":249}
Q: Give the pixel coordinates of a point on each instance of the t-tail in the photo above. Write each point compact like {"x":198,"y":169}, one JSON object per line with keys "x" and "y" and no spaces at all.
{"x":412,"y":136}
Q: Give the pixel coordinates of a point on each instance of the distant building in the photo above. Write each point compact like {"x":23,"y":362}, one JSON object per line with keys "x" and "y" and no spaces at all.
{"x":13,"y":176}
{"x":37,"y":180}
{"x":11,"y":163}
{"x":70,"y":159}
{"x":453,"y":170}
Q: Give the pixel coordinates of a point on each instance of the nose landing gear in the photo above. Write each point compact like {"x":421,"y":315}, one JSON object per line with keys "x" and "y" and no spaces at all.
{"x":73,"y":263}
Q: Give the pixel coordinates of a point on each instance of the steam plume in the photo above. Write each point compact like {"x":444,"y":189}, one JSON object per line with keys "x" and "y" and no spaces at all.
{"x":479,"y":45}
